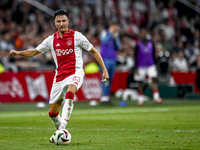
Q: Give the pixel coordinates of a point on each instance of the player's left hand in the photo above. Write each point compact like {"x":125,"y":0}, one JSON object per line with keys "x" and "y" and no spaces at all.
{"x":105,"y":76}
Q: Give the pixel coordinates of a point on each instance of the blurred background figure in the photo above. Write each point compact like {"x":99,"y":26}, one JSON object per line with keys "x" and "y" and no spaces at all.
{"x":198,"y":71}
{"x":171,"y":61}
{"x":109,"y":45}
{"x":125,"y":61}
{"x":190,"y":52}
{"x":162,"y":56}
{"x":180,"y":63}
{"x":145,"y":65}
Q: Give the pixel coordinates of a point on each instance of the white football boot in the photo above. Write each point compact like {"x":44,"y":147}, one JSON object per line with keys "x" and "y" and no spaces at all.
{"x":158,"y":101}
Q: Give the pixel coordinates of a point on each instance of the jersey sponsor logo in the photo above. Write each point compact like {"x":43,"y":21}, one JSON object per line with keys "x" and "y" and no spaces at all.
{"x":64,"y":55}
{"x":60,"y":52}
{"x":58,"y":44}
{"x":69,"y":42}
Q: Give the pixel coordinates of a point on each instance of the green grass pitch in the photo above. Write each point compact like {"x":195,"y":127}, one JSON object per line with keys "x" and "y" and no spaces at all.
{"x":173,"y":125}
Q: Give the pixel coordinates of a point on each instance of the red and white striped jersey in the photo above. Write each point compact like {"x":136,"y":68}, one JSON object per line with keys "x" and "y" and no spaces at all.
{"x":66,"y":52}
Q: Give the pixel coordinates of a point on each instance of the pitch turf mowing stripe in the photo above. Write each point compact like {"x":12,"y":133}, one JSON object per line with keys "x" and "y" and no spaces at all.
{"x":100,"y":129}
{"x":19,"y":114}
{"x":102,"y":111}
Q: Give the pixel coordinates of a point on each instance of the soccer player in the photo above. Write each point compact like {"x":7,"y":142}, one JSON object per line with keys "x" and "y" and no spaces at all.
{"x":109,"y":44}
{"x":66,"y":47}
{"x":145,"y":65}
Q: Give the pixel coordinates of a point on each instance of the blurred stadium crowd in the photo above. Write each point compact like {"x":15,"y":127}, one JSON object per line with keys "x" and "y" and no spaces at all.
{"x":173,"y":27}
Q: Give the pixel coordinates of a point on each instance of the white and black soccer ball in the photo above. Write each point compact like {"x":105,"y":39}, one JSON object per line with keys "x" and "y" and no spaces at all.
{"x":62,"y":137}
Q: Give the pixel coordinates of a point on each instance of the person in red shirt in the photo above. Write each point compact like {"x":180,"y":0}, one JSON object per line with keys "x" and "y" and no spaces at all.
{"x":66,"y":47}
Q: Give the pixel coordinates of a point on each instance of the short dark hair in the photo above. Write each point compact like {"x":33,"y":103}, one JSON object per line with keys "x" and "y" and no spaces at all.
{"x":60,"y":12}
{"x":114,"y":24}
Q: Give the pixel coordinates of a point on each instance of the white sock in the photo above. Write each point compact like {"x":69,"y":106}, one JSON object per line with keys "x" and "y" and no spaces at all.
{"x":56,"y":119}
{"x":156,"y":95}
{"x":140,"y":98}
{"x":66,"y":112}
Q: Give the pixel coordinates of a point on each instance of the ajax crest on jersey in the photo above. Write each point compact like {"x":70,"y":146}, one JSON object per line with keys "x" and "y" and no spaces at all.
{"x":69,"y":42}
{"x":62,"y":137}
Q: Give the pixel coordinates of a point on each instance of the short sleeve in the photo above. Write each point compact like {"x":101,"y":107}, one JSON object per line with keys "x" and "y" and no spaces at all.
{"x":45,"y":45}
{"x":84,"y":43}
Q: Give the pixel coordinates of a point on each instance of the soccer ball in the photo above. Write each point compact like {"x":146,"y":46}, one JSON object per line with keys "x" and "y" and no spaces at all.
{"x":62,"y":137}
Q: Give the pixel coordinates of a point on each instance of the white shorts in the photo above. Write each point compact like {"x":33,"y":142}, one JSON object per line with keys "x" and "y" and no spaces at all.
{"x":59,"y":89}
{"x":151,"y":72}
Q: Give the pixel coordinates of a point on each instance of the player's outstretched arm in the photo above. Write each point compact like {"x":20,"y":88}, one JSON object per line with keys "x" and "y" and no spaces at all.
{"x":99,"y":59}
{"x":26,"y":53}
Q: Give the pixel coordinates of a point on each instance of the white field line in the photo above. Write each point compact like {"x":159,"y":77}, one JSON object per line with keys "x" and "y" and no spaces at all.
{"x":122,"y":111}
{"x":90,"y":112}
{"x":100,"y":129}
{"x":87,"y":112}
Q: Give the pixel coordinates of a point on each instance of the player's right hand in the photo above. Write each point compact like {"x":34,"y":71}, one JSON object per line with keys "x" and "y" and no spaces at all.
{"x":13,"y":52}
{"x":105,"y":76}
